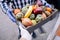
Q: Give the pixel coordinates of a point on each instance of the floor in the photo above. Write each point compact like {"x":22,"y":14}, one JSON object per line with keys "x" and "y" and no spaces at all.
{"x":9,"y":30}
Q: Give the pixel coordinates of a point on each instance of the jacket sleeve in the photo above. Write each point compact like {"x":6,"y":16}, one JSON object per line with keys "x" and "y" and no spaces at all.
{"x":7,"y":10}
{"x":45,"y":3}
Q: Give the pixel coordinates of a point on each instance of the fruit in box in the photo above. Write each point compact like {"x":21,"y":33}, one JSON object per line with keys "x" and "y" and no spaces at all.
{"x":16,"y":11}
{"x":19,"y":15}
{"x":24,"y":9}
{"x":27,"y":5}
{"x":47,"y":13}
{"x":43,"y":7}
{"x":38,"y":10}
{"x":29,"y":12}
{"x":32,"y":16}
{"x":26,"y":22}
{"x":43,"y":16}
{"x":34,"y":22}
{"x":48,"y":9}
{"x":35,"y":6}
{"x":38,"y":18}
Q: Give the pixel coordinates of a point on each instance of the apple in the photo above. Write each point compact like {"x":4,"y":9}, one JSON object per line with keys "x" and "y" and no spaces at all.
{"x":38,"y":10}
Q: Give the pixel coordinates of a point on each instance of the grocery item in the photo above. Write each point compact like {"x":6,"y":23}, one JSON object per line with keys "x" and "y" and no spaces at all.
{"x":48,"y":9}
{"x":24,"y":9}
{"x":38,"y":10}
{"x":32,"y":16}
{"x":28,"y":13}
{"x":16,"y":11}
{"x":34,"y":22}
{"x":44,"y":16}
{"x":19,"y":15}
{"x":38,"y":18}
{"x":27,"y":5}
{"x":26,"y":22}
{"x":35,"y":6}
{"x":43,"y":7}
{"x":47,"y":13}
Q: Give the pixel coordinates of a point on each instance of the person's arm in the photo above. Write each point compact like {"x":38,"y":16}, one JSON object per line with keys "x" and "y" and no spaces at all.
{"x":7,"y":10}
{"x":25,"y":35}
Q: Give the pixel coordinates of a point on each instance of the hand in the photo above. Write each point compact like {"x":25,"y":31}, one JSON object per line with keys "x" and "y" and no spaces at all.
{"x":25,"y":35}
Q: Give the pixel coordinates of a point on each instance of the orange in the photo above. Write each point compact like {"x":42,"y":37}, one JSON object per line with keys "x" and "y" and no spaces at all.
{"x":48,"y":9}
{"x":47,"y":13}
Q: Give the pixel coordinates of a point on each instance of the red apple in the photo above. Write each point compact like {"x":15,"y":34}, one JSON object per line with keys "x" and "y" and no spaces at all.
{"x":38,"y":10}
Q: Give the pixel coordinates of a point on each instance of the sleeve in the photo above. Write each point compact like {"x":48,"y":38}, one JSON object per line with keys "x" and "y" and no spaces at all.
{"x":46,"y":4}
{"x":7,"y":10}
